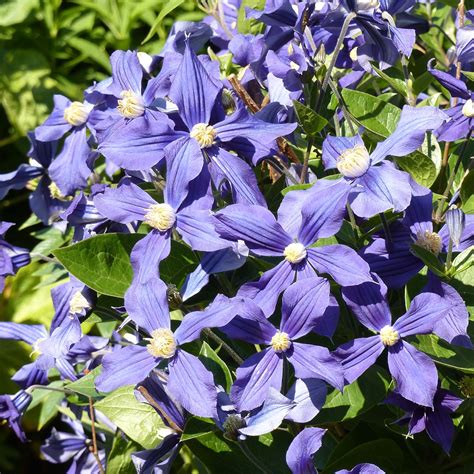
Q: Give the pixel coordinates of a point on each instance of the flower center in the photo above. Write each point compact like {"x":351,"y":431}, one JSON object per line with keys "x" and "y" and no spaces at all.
{"x":280,"y":342}
{"x":204,"y":134}
{"x":295,"y":252}
{"x":353,"y":162}
{"x":389,"y":336}
{"x":36,"y":346}
{"x":56,"y":192}
{"x":78,"y":303}
{"x":468,"y":109}
{"x":160,"y":216}
{"x":162,"y":343}
{"x":430,"y":241}
{"x":131,"y":105}
{"x":76,"y":114}
{"x":367,"y":4}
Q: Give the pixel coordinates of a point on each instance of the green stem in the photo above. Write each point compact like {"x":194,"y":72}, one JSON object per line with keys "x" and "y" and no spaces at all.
{"x":386,"y":227}
{"x":251,"y":457}
{"x":224,"y":345}
{"x":353,"y":222}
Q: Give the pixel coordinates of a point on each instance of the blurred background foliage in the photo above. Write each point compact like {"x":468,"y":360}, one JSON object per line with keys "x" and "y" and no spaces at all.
{"x":52,"y":47}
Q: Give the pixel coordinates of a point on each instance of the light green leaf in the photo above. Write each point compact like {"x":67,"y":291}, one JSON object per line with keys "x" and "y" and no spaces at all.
{"x":45,"y":403}
{"x":139,"y":421}
{"x":376,"y":115}
{"x":310,"y":121}
{"x":295,"y":187}
{"x":397,"y":84}
{"x":216,"y":365}
{"x":13,"y":12}
{"x":181,"y":261}
{"x":449,"y":355}
{"x":249,"y":25}
{"x":101,"y":262}
{"x":85,"y":385}
{"x":358,"y":397}
{"x":166,"y":10}
{"x":120,"y":457}
{"x":429,"y":259}
{"x":92,"y":51}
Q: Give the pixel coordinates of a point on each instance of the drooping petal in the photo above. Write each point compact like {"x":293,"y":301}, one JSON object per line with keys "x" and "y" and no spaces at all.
{"x":358,"y":355}
{"x":125,"y":203}
{"x":193,"y":90}
{"x":369,"y":305}
{"x":299,"y":456}
{"x":255,"y":377}
{"x":158,"y":459}
{"x":440,"y":428}
{"x":255,"y":225}
{"x":304,"y":302}
{"x":309,"y":396}
{"x":238,"y":173}
{"x":341,"y":262}
{"x":425,"y":310}
{"x":267,"y":289}
{"x":28,"y":333}
{"x":415,"y":373}
{"x":410,"y":132}
{"x":192,"y":385}
{"x":55,"y":126}
{"x":125,"y":366}
{"x":70,"y":169}
{"x":456,"y":87}
{"x":384,"y":188}
{"x":184,"y":162}
{"x":18,"y":179}
{"x":324,"y":210}
{"x":275,"y":408}
{"x":61,"y":339}
{"x":311,"y":361}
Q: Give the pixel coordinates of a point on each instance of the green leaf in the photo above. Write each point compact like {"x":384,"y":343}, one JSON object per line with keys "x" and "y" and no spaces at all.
{"x":429,"y":259}
{"x":358,"y":397}
{"x":181,"y":261}
{"x":92,"y":51}
{"x":310,"y":121}
{"x":397,"y":84}
{"x":295,"y":187}
{"x":13,"y":12}
{"x":101,"y":262}
{"x":45,"y":403}
{"x":139,"y":421}
{"x":463,"y":279}
{"x":120,"y":457}
{"x":216,"y":365}
{"x":166,"y":10}
{"x":85,"y":385}
{"x":376,"y":115}
{"x":449,"y":355}
{"x":249,"y":25}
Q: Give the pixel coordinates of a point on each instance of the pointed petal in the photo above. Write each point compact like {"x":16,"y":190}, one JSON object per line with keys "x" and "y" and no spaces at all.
{"x":440,"y":428}
{"x":193,"y":90}
{"x":239,"y":174}
{"x":455,"y":86}
{"x":341,"y":262}
{"x":311,"y":361}
{"x":410,"y":132}
{"x":255,"y":225}
{"x":18,"y":179}
{"x":55,"y":126}
{"x":358,"y":355}
{"x":369,"y":305}
{"x":192,"y":385}
{"x":267,"y":289}
{"x":255,"y":377}
{"x":126,"y":72}
{"x":415,"y":373}
{"x":125,"y":366}
{"x":28,"y":333}
{"x":299,"y":456}
{"x":126,"y":203}
{"x":304,"y":302}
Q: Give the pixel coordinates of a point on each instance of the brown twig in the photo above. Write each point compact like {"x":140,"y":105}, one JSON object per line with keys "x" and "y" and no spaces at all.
{"x":93,"y":449}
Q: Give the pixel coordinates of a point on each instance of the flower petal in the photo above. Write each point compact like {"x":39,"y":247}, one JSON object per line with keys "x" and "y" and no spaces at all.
{"x":299,"y":456}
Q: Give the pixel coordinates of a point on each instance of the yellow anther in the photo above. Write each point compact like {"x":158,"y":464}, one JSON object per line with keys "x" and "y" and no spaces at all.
{"x":468,"y":109}
{"x":160,"y":216}
{"x":430,"y":241}
{"x":389,"y":336}
{"x":78,"y":303}
{"x":295,"y":252}
{"x":162,"y":343}
{"x":280,"y":342}
{"x":76,"y":114}
{"x":131,"y":105}
{"x":204,"y":134}
{"x":354,"y":162}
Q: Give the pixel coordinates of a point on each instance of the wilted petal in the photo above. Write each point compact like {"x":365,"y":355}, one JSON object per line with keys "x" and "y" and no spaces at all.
{"x":125,"y":366}
{"x":192,"y":385}
{"x":299,"y":456}
{"x":415,"y":373}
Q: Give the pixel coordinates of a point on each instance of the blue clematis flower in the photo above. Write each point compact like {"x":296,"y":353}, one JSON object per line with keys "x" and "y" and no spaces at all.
{"x":12,"y":408}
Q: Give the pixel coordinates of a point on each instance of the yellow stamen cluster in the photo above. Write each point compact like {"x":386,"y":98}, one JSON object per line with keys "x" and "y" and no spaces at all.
{"x":78,"y":303}
{"x":160,"y":216}
{"x":389,"y":336}
{"x":162,"y":343}
{"x":76,"y":114}
{"x":295,"y":252}
{"x":354,"y":162}
{"x":131,"y":105}
{"x":280,"y":342}
{"x":204,"y":134}
{"x":430,"y":241}
{"x":56,"y":192}
{"x":468,"y":109}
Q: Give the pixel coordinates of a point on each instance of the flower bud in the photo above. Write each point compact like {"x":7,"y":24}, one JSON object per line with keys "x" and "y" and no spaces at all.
{"x":456,"y":220}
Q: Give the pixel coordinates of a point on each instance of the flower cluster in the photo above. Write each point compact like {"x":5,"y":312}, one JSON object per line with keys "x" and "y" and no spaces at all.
{"x":246,"y":238}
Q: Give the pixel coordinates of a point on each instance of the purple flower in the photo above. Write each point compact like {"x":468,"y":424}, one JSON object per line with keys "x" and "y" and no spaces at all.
{"x":304,"y":305}
{"x":462,"y":114}
{"x":299,"y":456}
{"x":436,"y":420}
{"x":414,"y":372}
{"x":12,"y":258}
{"x":374,"y":184}
{"x":301,"y":221}
{"x":12,"y":408}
